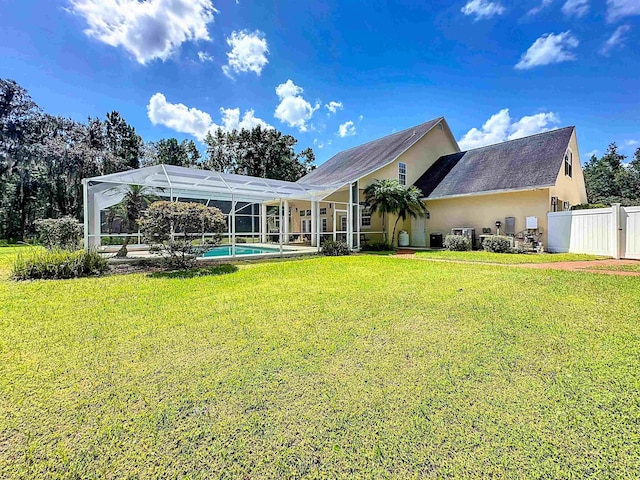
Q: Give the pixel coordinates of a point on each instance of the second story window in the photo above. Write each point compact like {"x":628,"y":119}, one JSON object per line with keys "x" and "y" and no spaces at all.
{"x":402,"y":173}
{"x":323,"y":211}
{"x":554,"y":204}
{"x":568,"y":164}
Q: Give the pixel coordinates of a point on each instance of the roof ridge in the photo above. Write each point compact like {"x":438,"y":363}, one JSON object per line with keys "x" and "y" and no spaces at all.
{"x":437,"y":119}
{"x":516,"y":139}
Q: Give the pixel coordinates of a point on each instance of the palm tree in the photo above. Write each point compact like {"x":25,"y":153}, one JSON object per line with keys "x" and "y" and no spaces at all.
{"x":389,"y":197}
{"x":130,"y":208}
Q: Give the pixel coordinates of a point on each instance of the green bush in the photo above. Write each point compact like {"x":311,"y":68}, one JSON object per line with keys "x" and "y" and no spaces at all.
{"x":378,"y":247}
{"x":589,"y":206}
{"x":174,"y":228}
{"x":497,"y":244}
{"x":57,"y":264}
{"x":59,"y":233}
{"x":457,"y":243}
{"x":335,"y":249}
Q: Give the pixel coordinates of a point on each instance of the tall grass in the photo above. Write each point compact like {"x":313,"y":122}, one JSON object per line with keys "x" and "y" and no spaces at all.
{"x":57,"y":264}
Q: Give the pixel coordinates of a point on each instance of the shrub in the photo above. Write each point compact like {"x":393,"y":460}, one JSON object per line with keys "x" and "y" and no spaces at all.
{"x":497,"y":244}
{"x":589,"y":206}
{"x":457,"y":243}
{"x":57,"y":264}
{"x":59,"y":233}
{"x":173,"y":227}
{"x":378,"y":247}
{"x":335,"y":249}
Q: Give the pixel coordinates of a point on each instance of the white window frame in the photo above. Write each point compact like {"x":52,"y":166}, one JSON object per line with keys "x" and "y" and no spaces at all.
{"x":568,"y":164}
{"x":323,"y":223}
{"x":402,"y":173}
{"x":554,"y":203}
{"x":365,"y":216}
{"x":323,"y":211}
{"x":566,"y":206}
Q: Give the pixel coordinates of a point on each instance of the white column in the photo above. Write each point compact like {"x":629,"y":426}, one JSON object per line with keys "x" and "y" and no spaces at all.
{"x":350,"y":219}
{"x":356,"y":207}
{"x":280,"y":222}
{"x":334,"y":215}
{"x":232,"y":230}
{"x":85,"y":217}
{"x":263,"y":223}
{"x":286,"y":221}
{"x":91,"y":217}
{"x":314,"y":223}
{"x":616,"y":230}
{"x":318,"y":231}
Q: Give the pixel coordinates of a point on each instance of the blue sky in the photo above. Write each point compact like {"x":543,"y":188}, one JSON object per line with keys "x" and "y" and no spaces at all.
{"x":335,"y":74}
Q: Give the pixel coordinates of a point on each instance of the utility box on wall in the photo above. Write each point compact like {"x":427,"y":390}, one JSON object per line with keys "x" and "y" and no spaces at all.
{"x":510,"y":226}
{"x":532,"y":223}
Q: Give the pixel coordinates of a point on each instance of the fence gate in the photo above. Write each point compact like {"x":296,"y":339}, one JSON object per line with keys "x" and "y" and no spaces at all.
{"x":630,"y":219}
{"x":611,"y":231}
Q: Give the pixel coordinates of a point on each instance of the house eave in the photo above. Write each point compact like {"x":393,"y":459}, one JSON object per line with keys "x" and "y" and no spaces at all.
{"x":490,"y":192}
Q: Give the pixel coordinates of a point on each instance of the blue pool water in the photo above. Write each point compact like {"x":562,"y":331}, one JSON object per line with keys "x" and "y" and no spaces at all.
{"x":225,"y":251}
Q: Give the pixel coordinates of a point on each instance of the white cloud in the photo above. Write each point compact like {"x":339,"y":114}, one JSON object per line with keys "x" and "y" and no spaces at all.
{"x":548,"y":49}
{"x":500,"y":127}
{"x":578,"y":8}
{"x":347,"y":129}
{"x":333,"y":107}
{"x":592,"y":153}
{"x":149,"y":30}
{"x":631,"y":143}
{"x":482,"y":9}
{"x":248,"y":52}
{"x":293,"y":109}
{"x":360,"y":118}
{"x":205,"y":57}
{"x":542,"y":6}
{"x":617,"y":9}
{"x":192,"y":121}
{"x":231,"y":120}
{"x":617,"y":39}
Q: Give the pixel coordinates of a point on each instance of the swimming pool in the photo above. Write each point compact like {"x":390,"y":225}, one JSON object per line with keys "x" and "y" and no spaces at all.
{"x":225,"y":251}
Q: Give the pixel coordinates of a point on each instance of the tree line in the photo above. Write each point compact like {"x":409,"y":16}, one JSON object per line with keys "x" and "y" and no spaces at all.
{"x":610,"y":179}
{"x":44,"y":157}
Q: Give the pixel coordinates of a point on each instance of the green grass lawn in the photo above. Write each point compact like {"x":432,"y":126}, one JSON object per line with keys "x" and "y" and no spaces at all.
{"x":506,"y":258}
{"x":623,"y":268}
{"x":344,"y":367}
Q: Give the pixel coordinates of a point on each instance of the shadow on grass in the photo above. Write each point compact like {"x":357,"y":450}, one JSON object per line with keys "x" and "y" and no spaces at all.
{"x":197,"y":272}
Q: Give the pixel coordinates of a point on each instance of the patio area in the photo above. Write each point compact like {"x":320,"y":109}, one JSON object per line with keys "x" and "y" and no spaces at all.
{"x":262,"y":215}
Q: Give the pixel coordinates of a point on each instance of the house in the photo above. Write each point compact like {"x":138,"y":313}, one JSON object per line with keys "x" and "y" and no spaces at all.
{"x":507,"y":183}
{"x":515,"y":183}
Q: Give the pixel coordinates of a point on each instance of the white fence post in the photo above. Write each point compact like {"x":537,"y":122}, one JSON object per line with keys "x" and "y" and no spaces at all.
{"x":615,"y":231}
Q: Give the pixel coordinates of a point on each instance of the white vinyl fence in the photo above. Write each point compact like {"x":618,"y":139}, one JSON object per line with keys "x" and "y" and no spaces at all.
{"x":613,"y":231}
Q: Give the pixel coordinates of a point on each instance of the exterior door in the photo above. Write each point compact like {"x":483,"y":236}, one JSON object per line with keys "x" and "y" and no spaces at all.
{"x":419,"y":232}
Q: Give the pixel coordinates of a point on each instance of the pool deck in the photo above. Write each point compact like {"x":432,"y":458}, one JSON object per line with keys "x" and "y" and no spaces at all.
{"x":141,"y":252}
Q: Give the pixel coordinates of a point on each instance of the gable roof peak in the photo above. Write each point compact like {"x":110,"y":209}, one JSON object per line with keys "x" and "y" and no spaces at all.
{"x":357,"y":162}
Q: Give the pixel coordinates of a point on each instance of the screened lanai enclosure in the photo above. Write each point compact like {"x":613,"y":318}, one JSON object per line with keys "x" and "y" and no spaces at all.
{"x":263,"y":216}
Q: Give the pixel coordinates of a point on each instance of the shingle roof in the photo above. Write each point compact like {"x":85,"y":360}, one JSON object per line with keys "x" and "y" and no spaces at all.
{"x":352,"y":164}
{"x":530,"y":162}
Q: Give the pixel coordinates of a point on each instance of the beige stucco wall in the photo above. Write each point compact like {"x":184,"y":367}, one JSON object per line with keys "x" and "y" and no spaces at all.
{"x":418,"y":158}
{"x":570,"y":189}
{"x":482,"y":211}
